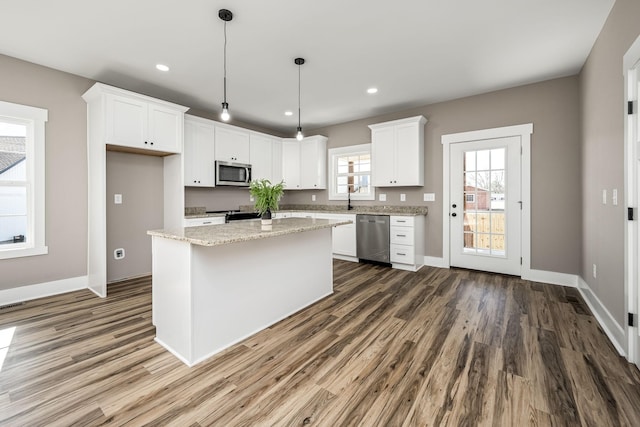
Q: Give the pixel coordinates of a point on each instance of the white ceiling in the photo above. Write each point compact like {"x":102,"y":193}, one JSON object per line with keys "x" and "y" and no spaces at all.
{"x":416,"y":52}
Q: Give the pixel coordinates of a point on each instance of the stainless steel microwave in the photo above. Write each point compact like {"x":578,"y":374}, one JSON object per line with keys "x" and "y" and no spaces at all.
{"x":229,"y":173}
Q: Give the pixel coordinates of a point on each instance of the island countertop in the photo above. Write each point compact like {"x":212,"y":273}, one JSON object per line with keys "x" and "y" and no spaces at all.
{"x":242,"y":231}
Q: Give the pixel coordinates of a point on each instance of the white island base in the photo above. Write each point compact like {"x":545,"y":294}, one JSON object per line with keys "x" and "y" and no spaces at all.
{"x":207,"y":298}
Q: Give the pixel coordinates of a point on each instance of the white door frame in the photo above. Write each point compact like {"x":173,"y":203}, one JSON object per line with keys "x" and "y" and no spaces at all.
{"x":631,"y":67}
{"x":524,"y":131}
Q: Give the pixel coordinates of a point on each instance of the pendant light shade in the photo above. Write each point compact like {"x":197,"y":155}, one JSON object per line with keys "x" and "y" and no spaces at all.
{"x":226,"y":16}
{"x":299,"y":135}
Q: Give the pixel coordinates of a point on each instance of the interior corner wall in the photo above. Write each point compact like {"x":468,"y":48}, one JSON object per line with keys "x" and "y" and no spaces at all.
{"x":552,"y":107}
{"x":66,"y":170}
{"x":139,"y":180}
{"x":602,"y":134}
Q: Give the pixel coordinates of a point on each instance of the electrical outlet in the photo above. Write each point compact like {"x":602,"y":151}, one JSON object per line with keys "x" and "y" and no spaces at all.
{"x":118,"y":253}
{"x":403,"y":197}
{"x":251,"y":199}
{"x":382,"y":197}
{"x":117,"y":199}
{"x":429,"y":197}
{"x":313,"y":197}
{"x":595,"y":272}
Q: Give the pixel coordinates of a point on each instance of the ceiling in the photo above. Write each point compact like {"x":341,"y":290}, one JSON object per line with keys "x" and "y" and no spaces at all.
{"x":416,"y":52}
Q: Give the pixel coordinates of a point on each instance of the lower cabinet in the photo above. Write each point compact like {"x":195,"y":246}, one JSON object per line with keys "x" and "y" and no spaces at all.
{"x":407,"y":242}
{"x":344,"y":236}
{"x":198,"y":222}
{"x":406,"y":237}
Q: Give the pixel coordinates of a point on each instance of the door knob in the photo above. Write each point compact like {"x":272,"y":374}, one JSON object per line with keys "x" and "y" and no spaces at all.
{"x":454,"y":214}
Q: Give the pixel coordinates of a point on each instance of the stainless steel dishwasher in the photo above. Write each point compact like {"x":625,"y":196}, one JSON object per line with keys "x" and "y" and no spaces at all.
{"x":372,"y":237}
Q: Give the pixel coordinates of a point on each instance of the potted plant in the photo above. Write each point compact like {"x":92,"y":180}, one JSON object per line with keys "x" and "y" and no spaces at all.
{"x":266,"y":197}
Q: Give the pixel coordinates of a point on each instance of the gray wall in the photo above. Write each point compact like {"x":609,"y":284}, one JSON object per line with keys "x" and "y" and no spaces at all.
{"x":140,"y":181}
{"x":66,"y":170}
{"x":553,"y":108}
{"x":602,"y":89}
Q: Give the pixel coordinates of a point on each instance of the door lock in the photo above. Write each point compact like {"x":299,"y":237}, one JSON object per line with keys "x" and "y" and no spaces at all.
{"x":454,"y":214}
{"x":454,"y":205}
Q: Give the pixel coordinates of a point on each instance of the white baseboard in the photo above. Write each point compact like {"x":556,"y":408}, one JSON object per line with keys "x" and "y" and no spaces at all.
{"x":551,"y":277}
{"x":433,"y":261}
{"x":607,"y":322}
{"x":40,"y":290}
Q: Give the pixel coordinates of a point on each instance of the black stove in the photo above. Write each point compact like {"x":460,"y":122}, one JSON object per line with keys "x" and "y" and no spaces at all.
{"x":237,"y":215}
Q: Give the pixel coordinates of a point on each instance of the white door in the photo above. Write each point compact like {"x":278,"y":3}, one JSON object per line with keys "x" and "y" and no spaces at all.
{"x":485,"y":205}
{"x":631,"y":65}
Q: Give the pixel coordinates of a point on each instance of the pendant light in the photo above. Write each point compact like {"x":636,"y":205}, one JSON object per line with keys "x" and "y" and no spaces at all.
{"x":226,"y":16}
{"x":299,"y":135}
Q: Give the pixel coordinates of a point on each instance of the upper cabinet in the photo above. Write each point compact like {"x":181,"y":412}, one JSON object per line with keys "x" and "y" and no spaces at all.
{"x":199,"y":137}
{"x":265,"y":155}
{"x":138,"y":122}
{"x":304,"y":163}
{"x":397,"y":152}
{"x":232,"y":144}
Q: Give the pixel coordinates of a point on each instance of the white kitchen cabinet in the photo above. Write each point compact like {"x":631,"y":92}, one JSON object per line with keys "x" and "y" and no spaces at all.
{"x":407,"y":242}
{"x":199,"y":136}
{"x":265,"y":155}
{"x":397,"y":152}
{"x":280,"y":215}
{"x":344,"y":236}
{"x":199,"y":222}
{"x":276,"y":165}
{"x":232,"y":144}
{"x":291,"y":163}
{"x":313,"y":162}
{"x":136,"y":122}
{"x":121,"y":120}
{"x":304,"y":163}
{"x":310,"y":215}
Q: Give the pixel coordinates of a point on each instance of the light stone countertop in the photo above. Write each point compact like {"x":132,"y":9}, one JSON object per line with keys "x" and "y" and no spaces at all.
{"x":328,"y":209}
{"x":242,"y":231}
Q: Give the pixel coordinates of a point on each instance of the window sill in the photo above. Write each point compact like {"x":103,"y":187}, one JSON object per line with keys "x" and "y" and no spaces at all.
{"x":23,"y":252}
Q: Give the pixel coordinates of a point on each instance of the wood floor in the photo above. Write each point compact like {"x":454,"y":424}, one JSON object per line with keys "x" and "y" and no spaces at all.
{"x":388,"y":348}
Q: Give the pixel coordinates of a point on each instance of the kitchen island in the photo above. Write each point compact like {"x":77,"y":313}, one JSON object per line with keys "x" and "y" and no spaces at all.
{"x":214,"y":286}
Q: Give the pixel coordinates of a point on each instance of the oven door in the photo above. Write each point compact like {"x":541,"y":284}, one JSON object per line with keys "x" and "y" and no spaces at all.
{"x":236,"y":174}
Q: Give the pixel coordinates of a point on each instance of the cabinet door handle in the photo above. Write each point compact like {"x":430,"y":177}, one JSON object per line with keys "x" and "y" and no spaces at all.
{"x":401,"y":254}
{"x":401,"y":235}
{"x":207,"y":222}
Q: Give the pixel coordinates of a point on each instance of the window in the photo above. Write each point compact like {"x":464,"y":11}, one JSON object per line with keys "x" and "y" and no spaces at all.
{"x":471,"y":198}
{"x":350,"y":173}
{"x":21,"y":180}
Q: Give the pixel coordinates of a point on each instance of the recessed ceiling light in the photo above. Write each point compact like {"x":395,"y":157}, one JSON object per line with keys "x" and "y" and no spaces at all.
{"x":288,"y":113}
{"x":162,"y":67}
{"x":372,"y":90}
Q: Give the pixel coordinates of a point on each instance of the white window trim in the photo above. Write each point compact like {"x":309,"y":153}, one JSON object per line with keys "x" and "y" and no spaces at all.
{"x":37,"y":117}
{"x":334,"y":153}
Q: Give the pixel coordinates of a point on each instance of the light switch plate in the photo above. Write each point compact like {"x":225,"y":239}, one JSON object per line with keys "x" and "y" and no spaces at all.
{"x":403,"y":197}
{"x":313,"y":197}
{"x":429,"y":197}
{"x":614,"y":197}
{"x":117,"y":199}
{"x":604,"y":196}
{"x":382,"y":197}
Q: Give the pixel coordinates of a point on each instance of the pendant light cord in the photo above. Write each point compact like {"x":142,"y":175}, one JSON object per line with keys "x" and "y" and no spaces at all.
{"x":225,"y":61}
{"x":299,"y":86}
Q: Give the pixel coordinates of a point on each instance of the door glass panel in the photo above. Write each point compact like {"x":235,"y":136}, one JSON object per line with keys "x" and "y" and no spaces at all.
{"x":484,"y":202}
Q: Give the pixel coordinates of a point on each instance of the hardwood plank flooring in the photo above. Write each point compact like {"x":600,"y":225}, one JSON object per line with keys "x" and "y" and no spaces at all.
{"x":388,"y":348}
